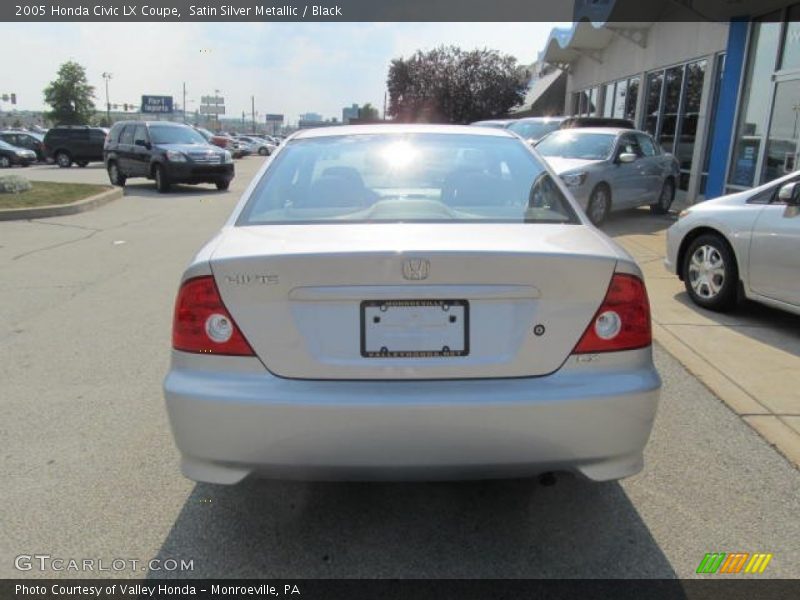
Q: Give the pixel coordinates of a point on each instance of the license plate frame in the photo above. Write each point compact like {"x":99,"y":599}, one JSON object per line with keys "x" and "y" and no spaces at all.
{"x":444,"y":304}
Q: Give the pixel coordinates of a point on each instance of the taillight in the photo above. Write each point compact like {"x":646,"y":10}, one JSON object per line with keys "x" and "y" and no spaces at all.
{"x":623,"y":320}
{"x":202,"y":324}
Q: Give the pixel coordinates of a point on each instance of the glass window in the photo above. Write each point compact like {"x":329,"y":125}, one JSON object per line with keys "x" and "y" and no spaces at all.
{"x":672,"y":98}
{"x":754,"y":110}
{"x":172,"y":134}
{"x":126,"y":137}
{"x":628,"y":144}
{"x":693,"y":91}
{"x":790,"y":58}
{"x":608,"y":102}
{"x":654,"y":81}
{"x":781,"y":151}
{"x":647,"y":145}
{"x":408,"y":178}
{"x":632,"y":95}
{"x":619,"y":100}
{"x":592,"y":108}
{"x":140,"y":135}
{"x":573,"y":143}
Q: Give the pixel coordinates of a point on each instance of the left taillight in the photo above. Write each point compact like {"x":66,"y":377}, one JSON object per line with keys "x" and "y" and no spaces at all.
{"x":201,"y":323}
{"x":623,"y":320}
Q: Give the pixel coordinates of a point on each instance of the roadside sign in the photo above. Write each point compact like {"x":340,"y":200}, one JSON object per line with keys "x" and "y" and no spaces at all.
{"x":212,"y":110}
{"x":274,"y":118}
{"x":157,"y":104}
{"x":212,"y":100}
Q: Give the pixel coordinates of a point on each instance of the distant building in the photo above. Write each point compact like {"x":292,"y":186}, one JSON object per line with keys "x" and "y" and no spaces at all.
{"x":312,"y":116}
{"x":349,"y":113}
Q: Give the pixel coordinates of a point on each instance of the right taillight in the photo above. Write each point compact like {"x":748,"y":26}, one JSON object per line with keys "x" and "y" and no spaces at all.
{"x":623,"y":320}
{"x":202,"y":324}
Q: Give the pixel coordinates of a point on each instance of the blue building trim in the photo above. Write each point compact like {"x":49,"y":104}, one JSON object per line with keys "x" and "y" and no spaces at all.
{"x":724,"y":124}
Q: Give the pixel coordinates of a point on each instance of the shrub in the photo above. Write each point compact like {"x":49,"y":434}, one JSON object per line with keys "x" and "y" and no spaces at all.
{"x":14,"y":184}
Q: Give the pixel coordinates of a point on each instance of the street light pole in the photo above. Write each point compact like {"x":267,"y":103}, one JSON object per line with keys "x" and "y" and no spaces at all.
{"x":107,"y":76}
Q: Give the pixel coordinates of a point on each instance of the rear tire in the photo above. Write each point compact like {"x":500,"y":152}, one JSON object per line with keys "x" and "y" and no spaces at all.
{"x":115,"y":176}
{"x":263,"y":152}
{"x":710,"y":273}
{"x":599,"y":204}
{"x":665,"y":198}
{"x":82,"y":163}
{"x":63,"y":159}
{"x":223,"y":184}
{"x":162,"y":183}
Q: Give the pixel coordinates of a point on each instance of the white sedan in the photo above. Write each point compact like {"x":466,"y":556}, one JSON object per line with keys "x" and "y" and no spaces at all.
{"x":410,"y":302}
{"x":742,"y":245}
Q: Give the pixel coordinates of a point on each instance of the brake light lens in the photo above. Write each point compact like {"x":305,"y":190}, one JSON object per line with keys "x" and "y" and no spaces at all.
{"x":623,"y":320}
{"x":202,"y":324}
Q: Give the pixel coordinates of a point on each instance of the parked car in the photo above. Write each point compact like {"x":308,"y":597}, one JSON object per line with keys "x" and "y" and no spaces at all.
{"x":744,"y":245}
{"x":494,"y":123}
{"x":256,"y":145}
{"x":574,"y":122}
{"x":79,"y":144}
{"x":165,"y":152}
{"x":11,"y":155}
{"x":535,"y":128}
{"x":609,"y":169}
{"x":350,"y":323}
{"x":223,"y":141}
{"x":27,"y":140}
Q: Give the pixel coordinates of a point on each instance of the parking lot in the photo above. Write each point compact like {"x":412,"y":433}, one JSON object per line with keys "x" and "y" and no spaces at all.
{"x":91,"y":470}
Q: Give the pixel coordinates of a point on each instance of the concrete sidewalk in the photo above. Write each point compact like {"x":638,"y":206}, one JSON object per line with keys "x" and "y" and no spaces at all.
{"x":749,"y":358}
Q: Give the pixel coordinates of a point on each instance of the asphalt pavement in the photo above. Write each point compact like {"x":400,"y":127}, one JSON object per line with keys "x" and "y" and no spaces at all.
{"x":89,"y":469}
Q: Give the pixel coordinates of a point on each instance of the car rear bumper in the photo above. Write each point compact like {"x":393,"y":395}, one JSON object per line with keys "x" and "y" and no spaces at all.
{"x":231,"y":418}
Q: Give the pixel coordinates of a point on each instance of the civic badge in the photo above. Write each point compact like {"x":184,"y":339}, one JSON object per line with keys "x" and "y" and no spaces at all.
{"x":416,"y":269}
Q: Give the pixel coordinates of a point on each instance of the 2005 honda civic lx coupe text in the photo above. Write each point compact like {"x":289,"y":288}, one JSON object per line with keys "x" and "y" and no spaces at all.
{"x":410,"y":302}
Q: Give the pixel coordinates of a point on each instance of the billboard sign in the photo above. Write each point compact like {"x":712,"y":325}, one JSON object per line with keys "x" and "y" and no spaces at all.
{"x":210,"y":109}
{"x":274,"y":118}
{"x":212,"y":100}
{"x":157,"y":104}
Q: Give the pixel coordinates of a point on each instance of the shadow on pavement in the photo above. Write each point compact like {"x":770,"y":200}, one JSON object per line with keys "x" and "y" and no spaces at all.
{"x":637,"y":221}
{"x":509,"y":528}
{"x":144,"y":187}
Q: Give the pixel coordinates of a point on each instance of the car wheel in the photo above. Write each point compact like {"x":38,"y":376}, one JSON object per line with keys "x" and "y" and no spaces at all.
{"x":5,"y":162}
{"x":223,"y":184}
{"x":63,"y":160}
{"x":664,"y":199}
{"x":162,"y":183}
{"x":599,"y":204}
{"x":263,"y":152}
{"x":82,"y":163}
{"x":115,"y":176}
{"x":710,"y":273}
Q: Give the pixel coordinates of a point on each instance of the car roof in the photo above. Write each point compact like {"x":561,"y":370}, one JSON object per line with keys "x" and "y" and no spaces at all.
{"x":539,"y":119}
{"x":399,"y":129}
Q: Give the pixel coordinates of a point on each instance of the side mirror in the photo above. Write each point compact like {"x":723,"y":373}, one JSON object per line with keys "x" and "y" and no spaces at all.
{"x":142,"y":143}
{"x":790,"y":194}
{"x":627,"y":157}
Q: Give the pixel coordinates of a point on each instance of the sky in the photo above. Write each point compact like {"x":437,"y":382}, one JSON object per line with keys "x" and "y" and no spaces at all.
{"x":290,"y":68}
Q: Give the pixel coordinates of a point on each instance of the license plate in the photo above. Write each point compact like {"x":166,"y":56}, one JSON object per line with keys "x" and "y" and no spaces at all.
{"x":414,"y":328}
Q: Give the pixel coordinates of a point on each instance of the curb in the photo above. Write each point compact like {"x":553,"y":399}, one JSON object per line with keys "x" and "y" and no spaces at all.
{"x":57,"y":210}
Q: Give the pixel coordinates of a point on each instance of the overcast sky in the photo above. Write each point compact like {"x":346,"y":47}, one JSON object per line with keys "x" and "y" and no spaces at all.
{"x":290,"y":68}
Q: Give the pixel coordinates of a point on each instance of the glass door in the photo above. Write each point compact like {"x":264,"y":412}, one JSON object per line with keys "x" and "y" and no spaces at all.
{"x":780,"y":157}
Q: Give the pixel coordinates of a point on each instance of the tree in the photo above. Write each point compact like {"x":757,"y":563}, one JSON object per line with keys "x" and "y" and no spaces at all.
{"x":70,"y":96}
{"x":368,"y":112}
{"x":450,"y":85}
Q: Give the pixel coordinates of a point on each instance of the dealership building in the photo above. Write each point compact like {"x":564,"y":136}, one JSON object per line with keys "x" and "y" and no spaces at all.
{"x":716,"y":82}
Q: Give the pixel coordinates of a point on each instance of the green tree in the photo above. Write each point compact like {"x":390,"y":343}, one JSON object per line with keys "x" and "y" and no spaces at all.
{"x":450,"y":85}
{"x":368,"y":112}
{"x":70,"y":96}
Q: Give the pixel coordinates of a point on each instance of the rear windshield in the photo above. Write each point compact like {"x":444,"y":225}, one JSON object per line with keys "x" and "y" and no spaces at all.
{"x":533,"y":130}
{"x":569,"y":143}
{"x":413,"y":178}
{"x":168,"y":134}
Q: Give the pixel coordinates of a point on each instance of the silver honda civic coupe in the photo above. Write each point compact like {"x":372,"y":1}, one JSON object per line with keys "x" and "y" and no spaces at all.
{"x":410,"y":302}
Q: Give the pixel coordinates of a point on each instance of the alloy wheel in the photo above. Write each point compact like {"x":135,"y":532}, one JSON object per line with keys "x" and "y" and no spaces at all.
{"x":707,"y":271}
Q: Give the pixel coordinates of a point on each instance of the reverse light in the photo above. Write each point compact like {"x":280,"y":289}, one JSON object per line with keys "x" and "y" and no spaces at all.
{"x":623,"y":320}
{"x":201,"y":323}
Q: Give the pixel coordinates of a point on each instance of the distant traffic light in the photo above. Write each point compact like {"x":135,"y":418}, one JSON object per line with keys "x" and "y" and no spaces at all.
{"x":13,"y":98}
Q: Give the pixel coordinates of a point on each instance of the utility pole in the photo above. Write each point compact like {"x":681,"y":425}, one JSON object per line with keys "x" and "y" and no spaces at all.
{"x":216,"y":107}
{"x":184,"y":102}
{"x":107,"y":76}
{"x":253,"y":111}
